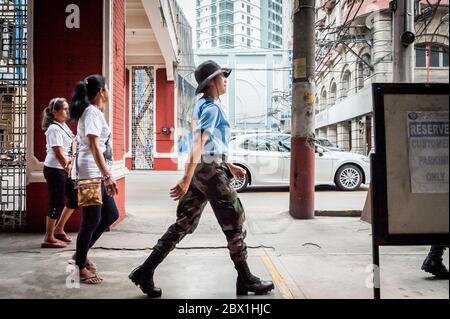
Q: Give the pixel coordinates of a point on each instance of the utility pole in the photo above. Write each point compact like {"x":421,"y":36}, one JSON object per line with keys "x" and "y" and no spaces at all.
{"x":404,"y":37}
{"x":303,"y":116}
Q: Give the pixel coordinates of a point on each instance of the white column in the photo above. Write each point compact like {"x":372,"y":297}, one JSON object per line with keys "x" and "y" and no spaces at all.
{"x":332,"y":134}
{"x":343,"y":136}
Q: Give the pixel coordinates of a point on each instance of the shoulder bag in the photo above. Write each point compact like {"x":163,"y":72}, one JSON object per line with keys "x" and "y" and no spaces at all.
{"x":89,"y":190}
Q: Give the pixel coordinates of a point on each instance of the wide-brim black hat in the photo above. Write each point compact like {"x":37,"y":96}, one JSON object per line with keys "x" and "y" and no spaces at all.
{"x":207,"y":71}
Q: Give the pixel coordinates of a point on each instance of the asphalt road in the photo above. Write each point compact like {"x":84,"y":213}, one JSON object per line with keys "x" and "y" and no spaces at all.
{"x":148,"y":192}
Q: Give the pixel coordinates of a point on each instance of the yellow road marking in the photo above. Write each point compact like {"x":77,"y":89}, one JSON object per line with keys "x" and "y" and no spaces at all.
{"x":277,"y":278}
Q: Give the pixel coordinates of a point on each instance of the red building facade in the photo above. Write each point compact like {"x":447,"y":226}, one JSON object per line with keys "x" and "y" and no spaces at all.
{"x":69,"y":40}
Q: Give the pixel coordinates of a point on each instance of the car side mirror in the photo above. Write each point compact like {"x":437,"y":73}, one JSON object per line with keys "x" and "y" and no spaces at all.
{"x":320,"y":151}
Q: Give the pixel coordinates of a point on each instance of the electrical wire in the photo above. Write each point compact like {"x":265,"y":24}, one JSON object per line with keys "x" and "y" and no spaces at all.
{"x":346,"y":27}
{"x":435,"y":9}
{"x":337,"y":36}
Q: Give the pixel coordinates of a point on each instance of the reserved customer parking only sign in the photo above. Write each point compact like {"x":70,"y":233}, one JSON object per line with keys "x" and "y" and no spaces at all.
{"x":428,"y":145}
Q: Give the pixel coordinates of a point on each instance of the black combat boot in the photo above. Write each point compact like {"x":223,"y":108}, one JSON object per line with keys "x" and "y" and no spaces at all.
{"x":142,"y":276}
{"x":433,"y":263}
{"x":246,"y":282}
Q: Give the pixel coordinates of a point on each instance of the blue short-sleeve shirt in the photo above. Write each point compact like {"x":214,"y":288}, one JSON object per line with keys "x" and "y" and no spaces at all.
{"x":200,"y":104}
{"x":213,"y":120}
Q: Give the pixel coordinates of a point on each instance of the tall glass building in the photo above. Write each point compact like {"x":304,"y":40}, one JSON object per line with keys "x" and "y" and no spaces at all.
{"x":271,"y":23}
{"x":239,"y":23}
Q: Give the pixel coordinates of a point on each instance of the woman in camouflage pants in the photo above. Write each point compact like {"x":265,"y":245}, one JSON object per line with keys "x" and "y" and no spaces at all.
{"x":207,"y":179}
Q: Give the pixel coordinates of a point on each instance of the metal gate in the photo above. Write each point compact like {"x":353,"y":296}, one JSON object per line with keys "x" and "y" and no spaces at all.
{"x":142,"y":114}
{"x":13,"y":106}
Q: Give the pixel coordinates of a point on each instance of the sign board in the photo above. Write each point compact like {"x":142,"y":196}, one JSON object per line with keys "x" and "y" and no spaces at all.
{"x":410,"y":167}
{"x":428,"y":152}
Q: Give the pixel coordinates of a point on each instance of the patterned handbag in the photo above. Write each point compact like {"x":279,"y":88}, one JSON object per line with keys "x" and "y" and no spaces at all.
{"x":89,"y":190}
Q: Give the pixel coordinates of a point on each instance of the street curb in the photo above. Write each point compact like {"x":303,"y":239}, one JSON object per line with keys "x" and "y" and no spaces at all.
{"x":334,"y":213}
{"x":338,"y":213}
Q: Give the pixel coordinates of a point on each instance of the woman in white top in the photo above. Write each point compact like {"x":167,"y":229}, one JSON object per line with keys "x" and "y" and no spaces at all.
{"x":57,"y":166}
{"x":94,"y":159}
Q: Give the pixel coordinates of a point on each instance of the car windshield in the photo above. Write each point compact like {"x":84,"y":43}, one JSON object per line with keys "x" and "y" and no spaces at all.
{"x":285,"y":141}
{"x":325,"y":143}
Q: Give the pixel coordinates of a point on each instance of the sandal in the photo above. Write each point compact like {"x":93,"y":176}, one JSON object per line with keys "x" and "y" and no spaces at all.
{"x":93,"y":280}
{"x":53,"y":244}
{"x":89,"y":265}
{"x":63,"y":237}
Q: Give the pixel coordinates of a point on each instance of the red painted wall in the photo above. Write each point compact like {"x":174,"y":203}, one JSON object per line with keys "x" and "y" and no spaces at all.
{"x":63,"y":56}
{"x":118,"y":79}
{"x":119,"y":120}
{"x":37,"y":194}
{"x":165,"y":116}
{"x":37,"y":209}
{"x":127,"y":110}
{"x":120,"y":200}
{"x":129,"y":163}
{"x":165,"y":164}
{"x":128,"y":160}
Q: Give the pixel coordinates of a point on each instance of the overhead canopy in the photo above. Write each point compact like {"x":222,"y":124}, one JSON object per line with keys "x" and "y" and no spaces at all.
{"x":151,"y":34}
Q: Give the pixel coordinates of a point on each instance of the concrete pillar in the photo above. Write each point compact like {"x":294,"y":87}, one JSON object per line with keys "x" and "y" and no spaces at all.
{"x":115,"y":48}
{"x":332,"y":134}
{"x":358,"y":134}
{"x":372,"y":118}
{"x":128,"y":134}
{"x":343,"y":136}
{"x":382,"y":46}
{"x":59,"y":56}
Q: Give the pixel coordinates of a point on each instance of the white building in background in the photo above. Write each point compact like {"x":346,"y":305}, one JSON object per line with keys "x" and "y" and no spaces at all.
{"x":230,"y":24}
{"x":284,"y":99}
{"x":248,"y":36}
{"x":257,"y":74}
{"x":345,"y":72}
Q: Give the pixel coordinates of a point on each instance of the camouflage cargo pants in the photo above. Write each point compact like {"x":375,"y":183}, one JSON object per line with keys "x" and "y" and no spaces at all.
{"x":209,"y":184}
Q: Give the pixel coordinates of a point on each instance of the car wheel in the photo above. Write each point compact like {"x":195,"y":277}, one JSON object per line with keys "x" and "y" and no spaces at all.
{"x":349,"y":178}
{"x":240,"y":185}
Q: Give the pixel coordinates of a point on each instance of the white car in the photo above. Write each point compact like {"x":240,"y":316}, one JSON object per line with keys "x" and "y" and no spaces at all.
{"x":267,"y":160}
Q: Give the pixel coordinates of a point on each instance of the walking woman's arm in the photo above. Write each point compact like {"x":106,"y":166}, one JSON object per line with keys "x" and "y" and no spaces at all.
{"x":94,"y":146}
{"x":194,"y":158}
{"x":59,"y":153}
{"x":69,"y":166}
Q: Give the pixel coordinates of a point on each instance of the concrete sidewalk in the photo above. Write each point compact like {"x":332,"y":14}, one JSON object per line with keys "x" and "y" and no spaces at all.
{"x":321,"y":258}
{"x":328,"y":257}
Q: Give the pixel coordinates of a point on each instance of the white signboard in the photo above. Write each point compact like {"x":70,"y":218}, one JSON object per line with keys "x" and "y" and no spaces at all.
{"x":428,"y":152}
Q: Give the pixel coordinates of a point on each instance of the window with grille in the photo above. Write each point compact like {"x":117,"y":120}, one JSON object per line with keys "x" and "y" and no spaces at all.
{"x":13,"y":113}
{"x":142,"y":117}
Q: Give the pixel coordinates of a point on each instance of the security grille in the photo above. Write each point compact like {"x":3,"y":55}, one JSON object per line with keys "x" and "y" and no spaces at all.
{"x":142,"y":113}
{"x":13,"y":106}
